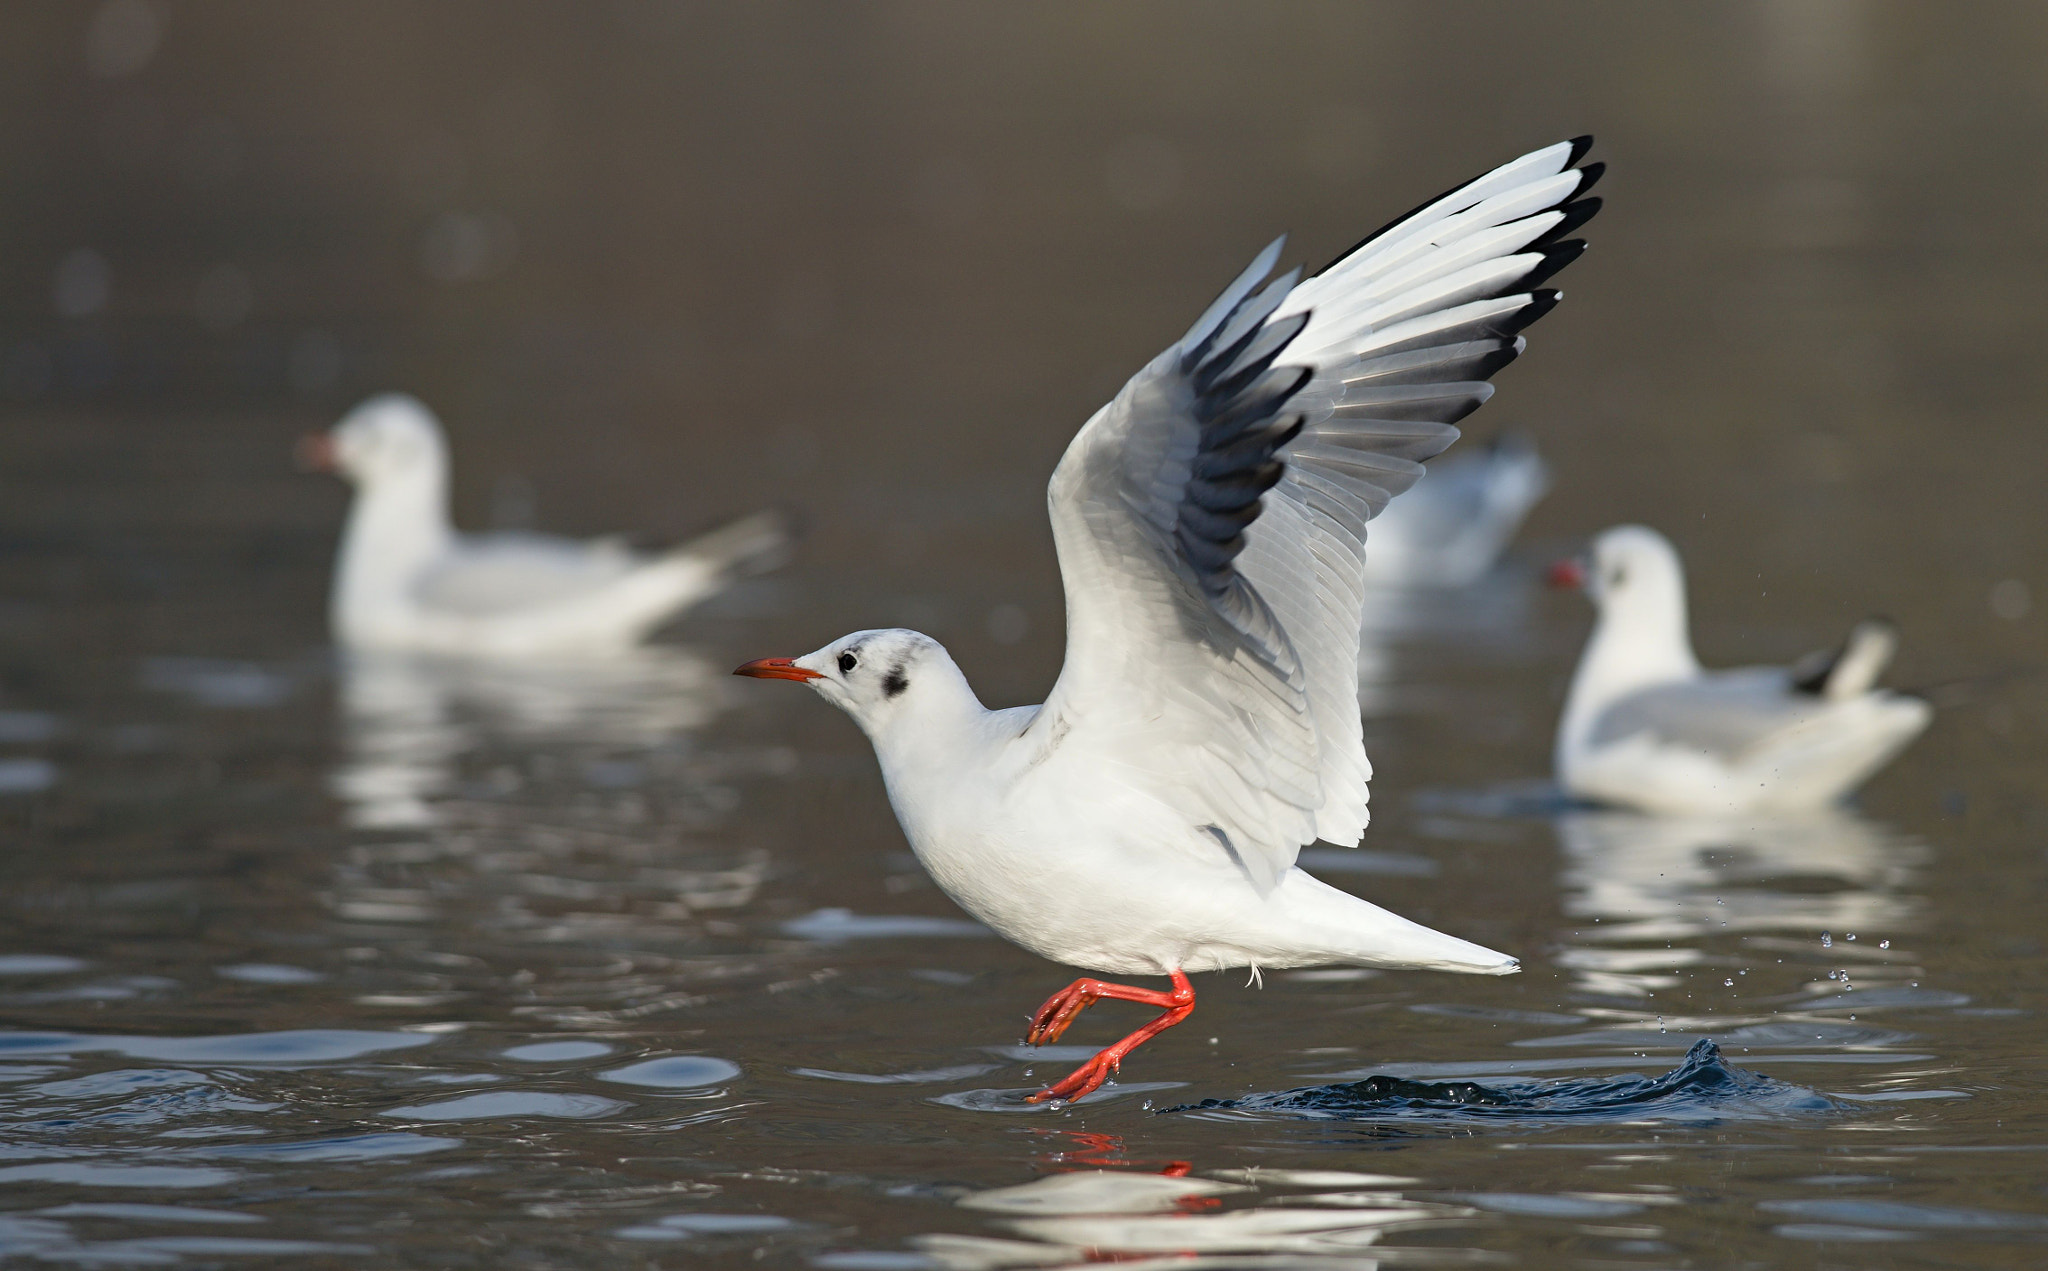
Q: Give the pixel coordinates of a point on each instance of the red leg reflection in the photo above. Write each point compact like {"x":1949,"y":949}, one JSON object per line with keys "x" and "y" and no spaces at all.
{"x":1104,"y":1151}
{"x":1061,"y":1008}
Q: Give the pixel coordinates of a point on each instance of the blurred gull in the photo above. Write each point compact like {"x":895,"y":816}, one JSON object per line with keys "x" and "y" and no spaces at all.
{"x":407,"y":580}
{"x":1646,"y":727}
{"x":1449,"y":529}
{"x":1211,"y":528}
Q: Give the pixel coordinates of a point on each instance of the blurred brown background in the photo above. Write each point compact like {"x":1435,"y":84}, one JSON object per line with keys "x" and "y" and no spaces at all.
{"x":660,"y":263}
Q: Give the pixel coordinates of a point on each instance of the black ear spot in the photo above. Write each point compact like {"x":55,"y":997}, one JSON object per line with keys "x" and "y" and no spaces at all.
{"x":894,"y":683}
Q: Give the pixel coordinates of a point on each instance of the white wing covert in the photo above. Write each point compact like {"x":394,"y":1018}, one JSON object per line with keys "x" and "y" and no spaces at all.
{"x":1211,"y":519}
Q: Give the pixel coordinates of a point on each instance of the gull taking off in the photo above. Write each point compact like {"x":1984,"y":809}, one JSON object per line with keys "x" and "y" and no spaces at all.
{"x":1211,"y":529}
{"x":405,"y":579}
{"x":1645,"y":727}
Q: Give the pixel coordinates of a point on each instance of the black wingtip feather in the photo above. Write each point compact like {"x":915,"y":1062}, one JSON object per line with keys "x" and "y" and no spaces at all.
{"x":1490,"y":365}
{"x":1579,"y":145}
{"x":1557,"y":257}
{"x":1575,"y":214}
{"x":1540,"y":303}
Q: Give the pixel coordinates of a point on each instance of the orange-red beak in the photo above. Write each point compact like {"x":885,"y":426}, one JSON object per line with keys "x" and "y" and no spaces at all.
{"x":1566,"y":575}
{"x":778,"y":669}
{"x":315,"y":453}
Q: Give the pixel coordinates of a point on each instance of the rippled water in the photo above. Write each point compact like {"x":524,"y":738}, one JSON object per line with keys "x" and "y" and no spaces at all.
{"x":307,"y":960}
{"x":343,"y":960}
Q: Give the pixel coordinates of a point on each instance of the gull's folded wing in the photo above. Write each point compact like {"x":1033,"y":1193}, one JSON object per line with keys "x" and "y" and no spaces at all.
{"x":1728,"y":715}
{"x":1211,"y":519}
{"x":493,"y":574}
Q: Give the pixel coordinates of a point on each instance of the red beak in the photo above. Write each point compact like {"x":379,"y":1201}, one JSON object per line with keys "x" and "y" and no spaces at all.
{"x":315,"y":453}
{"x":1566,"y":575}
{"x":778,"y":669}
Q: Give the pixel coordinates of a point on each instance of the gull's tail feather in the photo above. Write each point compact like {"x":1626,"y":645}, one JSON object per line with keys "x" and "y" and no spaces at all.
{"x":1852,"y":670}
{"x":1346,"y":928}
{"x":753,"y":544}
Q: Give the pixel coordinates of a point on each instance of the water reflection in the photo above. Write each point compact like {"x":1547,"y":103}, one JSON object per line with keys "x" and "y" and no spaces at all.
{"x":408,"y":719}
{"x":1319,"y":1218}
{"x":501,"y":808}
{"x":1647,"y":893}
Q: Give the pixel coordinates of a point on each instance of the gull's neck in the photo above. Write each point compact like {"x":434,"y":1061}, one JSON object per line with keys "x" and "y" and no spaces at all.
{"x":936,"y":745}
{"x":939,"y":724}
{"x":397,"y":524}
{"x":1639,"y":640}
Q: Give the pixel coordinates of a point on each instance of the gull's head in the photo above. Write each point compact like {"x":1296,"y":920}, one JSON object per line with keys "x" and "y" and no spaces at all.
{"x":387,"y":436}
{"x":874,"y":676}
{"x":1630,"y":568}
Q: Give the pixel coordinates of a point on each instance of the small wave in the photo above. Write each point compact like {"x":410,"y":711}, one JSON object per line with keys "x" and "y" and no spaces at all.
{"x":1704,"y":1088}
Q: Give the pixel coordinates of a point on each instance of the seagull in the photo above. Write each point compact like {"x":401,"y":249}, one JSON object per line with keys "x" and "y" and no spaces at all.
{"x":1210,"y":524}
{"x":1645,"y":727}
{"x":406,"y":580}
{"x":1448,"y":530}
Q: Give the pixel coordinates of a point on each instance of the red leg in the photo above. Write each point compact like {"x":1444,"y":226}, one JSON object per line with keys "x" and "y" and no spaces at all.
{"x":1061,"y":1008}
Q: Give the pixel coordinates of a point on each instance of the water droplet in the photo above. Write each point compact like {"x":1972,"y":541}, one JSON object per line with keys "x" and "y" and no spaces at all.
{"x":1850,"y":936}
{"x":1884,"y":944}
{"x":1827,"y":940}
{"x":1728,"y":983}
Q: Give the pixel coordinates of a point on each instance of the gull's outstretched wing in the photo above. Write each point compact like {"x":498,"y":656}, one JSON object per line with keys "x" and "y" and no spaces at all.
{"x":1211,"y":519}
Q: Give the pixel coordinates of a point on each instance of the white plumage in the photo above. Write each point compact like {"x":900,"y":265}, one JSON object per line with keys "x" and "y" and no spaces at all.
{"x":405,"y":579}
{"x":1645,"y":727}
{"x":1211,"y":529}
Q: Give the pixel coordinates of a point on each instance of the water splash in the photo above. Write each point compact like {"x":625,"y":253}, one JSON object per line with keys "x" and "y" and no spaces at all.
{"x":1703,"y":1088}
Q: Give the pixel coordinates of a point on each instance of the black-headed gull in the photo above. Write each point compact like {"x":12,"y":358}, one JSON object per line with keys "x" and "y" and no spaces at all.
{"x":1211,"y":525}
{"x":1449,"y":530}
{"x":1645,"y":727}
{"x":405,"y":579}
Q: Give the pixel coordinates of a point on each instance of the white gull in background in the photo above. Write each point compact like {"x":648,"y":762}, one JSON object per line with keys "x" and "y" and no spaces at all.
{"x":1645,"y":727}
{"x":405,"y":579}
{"x":1449,"y":529}
{"x":1211,"y":529}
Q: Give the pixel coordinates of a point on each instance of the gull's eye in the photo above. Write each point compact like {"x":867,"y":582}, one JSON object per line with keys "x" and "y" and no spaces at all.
{"x":847,"y":662}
